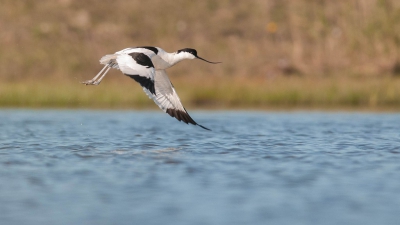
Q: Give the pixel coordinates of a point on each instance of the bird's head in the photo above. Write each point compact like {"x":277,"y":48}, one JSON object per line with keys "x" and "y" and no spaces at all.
{"x":190,"y":53}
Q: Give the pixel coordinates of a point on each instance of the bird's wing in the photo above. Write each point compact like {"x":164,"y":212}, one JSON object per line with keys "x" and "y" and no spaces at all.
{"x":110,"y":60}
{"x":138,"y":66}
{"x":168,"y":100}
{"x":143,"y":49}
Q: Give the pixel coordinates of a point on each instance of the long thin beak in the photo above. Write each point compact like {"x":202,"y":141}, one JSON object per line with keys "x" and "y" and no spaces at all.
{"x":207,"y":60}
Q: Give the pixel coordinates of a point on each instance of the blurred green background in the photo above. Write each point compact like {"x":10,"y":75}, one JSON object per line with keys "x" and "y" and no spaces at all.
{"x":275,"y":53}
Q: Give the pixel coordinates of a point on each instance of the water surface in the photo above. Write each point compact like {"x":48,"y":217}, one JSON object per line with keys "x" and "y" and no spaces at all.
{"x":141,"y":167}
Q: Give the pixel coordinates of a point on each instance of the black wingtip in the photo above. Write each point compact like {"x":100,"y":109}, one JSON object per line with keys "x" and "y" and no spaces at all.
{"x":203,"y":127}
{"x":183,"y":116}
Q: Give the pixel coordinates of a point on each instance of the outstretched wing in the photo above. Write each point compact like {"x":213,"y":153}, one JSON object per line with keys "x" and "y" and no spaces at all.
{"x":168,"y":100}
{"x":110,"y":60}
{"x":139,"y":67}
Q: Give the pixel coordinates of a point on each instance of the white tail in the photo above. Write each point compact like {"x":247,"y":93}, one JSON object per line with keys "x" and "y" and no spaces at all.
{"x":109,"y":60}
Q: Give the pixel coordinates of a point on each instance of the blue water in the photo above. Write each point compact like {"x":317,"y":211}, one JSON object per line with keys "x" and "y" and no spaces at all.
{"x":141,"y":167}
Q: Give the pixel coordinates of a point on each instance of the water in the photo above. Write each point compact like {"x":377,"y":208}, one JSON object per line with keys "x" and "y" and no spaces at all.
{"x":127,"y":167}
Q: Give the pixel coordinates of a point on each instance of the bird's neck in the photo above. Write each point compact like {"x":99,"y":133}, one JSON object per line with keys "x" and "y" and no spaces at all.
{"x":164,"y":60}
{"x":173,"y":58}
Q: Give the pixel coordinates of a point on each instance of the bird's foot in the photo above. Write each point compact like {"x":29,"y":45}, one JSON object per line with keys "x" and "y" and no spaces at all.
{"x":90,"y":82}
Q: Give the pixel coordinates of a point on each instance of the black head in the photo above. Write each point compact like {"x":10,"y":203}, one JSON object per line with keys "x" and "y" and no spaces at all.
{"x":194,"y":53}
{"x":189,"y":50}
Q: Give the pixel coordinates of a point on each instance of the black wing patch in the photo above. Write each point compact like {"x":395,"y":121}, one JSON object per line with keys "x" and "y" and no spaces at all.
{"x":144,"y":82}
{"x":153,"y":49}
{"x":183,"y":116}
{"x":142,"y":59}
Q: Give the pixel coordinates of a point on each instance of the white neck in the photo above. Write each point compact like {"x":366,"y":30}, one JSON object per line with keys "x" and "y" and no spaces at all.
{"x":171,"y":59}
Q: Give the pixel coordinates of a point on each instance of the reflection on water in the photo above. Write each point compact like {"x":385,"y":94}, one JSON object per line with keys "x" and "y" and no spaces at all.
{"x":124,"y":167}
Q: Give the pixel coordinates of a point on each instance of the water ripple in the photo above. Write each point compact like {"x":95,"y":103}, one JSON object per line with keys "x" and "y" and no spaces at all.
{"x":102,"y":167}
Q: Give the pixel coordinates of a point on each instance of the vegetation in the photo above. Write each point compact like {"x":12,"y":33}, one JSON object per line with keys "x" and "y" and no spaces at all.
{"x":275,"y":53}
{"x":375,"y":93}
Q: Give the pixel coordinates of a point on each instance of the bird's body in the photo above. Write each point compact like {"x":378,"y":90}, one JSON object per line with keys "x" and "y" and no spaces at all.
{"x":147,"y":65}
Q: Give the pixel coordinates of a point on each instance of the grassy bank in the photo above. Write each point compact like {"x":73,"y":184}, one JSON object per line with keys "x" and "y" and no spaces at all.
{"x":257,"y":93}
{"x":48,"y":38}
{"x":275,"y":53}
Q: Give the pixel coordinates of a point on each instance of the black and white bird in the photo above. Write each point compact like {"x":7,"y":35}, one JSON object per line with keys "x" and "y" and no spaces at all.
{"x":147,"y":65}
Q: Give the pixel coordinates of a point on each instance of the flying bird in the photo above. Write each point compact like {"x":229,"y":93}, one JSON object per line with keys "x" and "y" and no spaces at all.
{"x":147,"y":65}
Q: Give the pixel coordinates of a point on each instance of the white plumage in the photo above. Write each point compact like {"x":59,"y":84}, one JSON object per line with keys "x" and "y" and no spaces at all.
{"x":147,"y":65}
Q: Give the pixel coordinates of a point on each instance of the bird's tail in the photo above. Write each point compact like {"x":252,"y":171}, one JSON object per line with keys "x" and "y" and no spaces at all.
{"x":110,"y":60}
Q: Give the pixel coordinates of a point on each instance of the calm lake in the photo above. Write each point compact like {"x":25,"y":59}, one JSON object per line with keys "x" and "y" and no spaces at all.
{"x":144,"y":167}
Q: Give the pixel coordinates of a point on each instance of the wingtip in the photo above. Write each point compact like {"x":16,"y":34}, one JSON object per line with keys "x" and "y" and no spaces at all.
{"x":203,"y":127}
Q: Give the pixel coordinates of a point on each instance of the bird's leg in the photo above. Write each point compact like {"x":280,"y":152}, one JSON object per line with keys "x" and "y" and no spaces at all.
{"x":101,"y":78}
{"x":92,"y":81}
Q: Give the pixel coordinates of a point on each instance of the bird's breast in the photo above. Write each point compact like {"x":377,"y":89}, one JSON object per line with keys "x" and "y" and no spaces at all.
{"x":159,"y":63}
